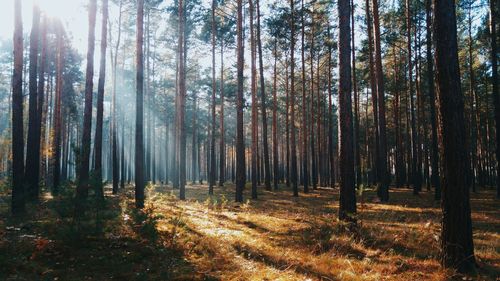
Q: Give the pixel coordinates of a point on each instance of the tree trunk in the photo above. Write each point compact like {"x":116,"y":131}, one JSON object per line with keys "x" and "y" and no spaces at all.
{"x":240,"y":141}
{"x":32,"y":150}
{"x":222,"y":148}
{"x":293,"y":149}
{"x":254,"y":101}
{"x":275,"y":123}
{"x":18,"y":194}
{"x":494,"y":77}
{"x":373,"y":87}
{"x":56,"y":144}
{"x":305,"y":121}
{"x":182,"y":100}
{"x":432,"y":103}
{"x":83,"y":188}
{"x":267,"y":169}
{"x":139,"y":118}
{"x":100,"y":105}
{"x":383,"y":174}
{"x":212,"y":168}
{"x":347,"y":206}
{"x":456,"y":233}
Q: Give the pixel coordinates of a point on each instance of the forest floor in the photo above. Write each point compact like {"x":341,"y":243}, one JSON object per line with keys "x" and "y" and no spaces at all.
{"x":277,"y":237}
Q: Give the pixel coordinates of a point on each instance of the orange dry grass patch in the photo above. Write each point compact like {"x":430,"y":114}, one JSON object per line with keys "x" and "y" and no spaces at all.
{"x":278,"y":237}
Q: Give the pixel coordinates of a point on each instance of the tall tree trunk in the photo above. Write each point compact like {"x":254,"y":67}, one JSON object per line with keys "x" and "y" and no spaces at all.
{"x":305,"y":121}
{"x":383,"y":173}
{"x":31,"y":192}
{"x":40,"y":111}
{"x":432,"y":103}
{"x":222,"y":148}
{"x":292,"y":104}
{"x":254,"y":101}
{"x":100,"y":105}
{"x":456,"y":232}
{"x":182,"y":103}
{"x":331,"y":146}
{"x":18,"y":194}
{"x":82,"y":187}
{"x":114,"y":137}
{"x":57,"y":129}
{"x":240,"y":141}
{"x":356,"y":140}
{"x":313,"y":109}
{"x":415,"y":170}
{"x":494,"y":77}
{"x":373,"y":87}
{"x":275,"y":122}
{"x":139,"y":118}
{"x":212,"y":168}
{"x":267,"y":169}
{"x":347,"y":206}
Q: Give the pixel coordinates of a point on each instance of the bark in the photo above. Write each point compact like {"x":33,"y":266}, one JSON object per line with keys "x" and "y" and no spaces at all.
{"x":254,"y":101}
{"x":263,"y":107}
{"x":40,"y":108}
{"x":494,"y":77}
{"x":456,"y":232}
{"x":139,"y":118}
{"x":240,"y":142}
{"x":32,"y":159}
{"x":415,"y":170}
{"x":293,"y":149}
{"x":347,"y":205}
{"x":373,"y":87}
{"x":82,"y":187}
{"x":432,"y":103}
{"x":18,"y":193}
{"x":222,"y":148}
{"x":212,"y":167}
{"x":305,"y":133}
{"x":57,"y":129}
{"x":114,"y":137}
{"x":100,"y":105}
{"x":383,"y":174}
{"x":182,"y":100}
{"x":357,"y":163}
{"x":275,"y":124}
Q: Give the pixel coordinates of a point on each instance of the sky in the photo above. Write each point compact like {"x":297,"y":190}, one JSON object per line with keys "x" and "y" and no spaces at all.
{"x":71,"y":12}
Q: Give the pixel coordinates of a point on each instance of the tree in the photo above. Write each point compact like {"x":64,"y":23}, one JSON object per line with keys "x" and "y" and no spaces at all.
{"x":253,"y":90}
{"x":415,"y":173}
{"x":139,"y":114}
{"x":82,"y":187}
{"x":432,"y":99}
{"x":240,"y":142}
{"x":293,"y":149}
{"x":456,"y":233}
{"x":57,"y":129}
{"x":182,"y":103}
{"x":305,"y":121}
{"x":212,"y":168}
{"x":114,"y":63}
{"x":383,"y":175}
{"x":100,"y":105}
{"x":494,"y":82}
{"x":32,"y":159}
{"x":347,"y":206}
{"x":18,"y":199}
{"x":267,"y":169}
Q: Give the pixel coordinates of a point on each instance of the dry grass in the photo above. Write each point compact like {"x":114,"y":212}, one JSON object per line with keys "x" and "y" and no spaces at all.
{"x":277,"y":237}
